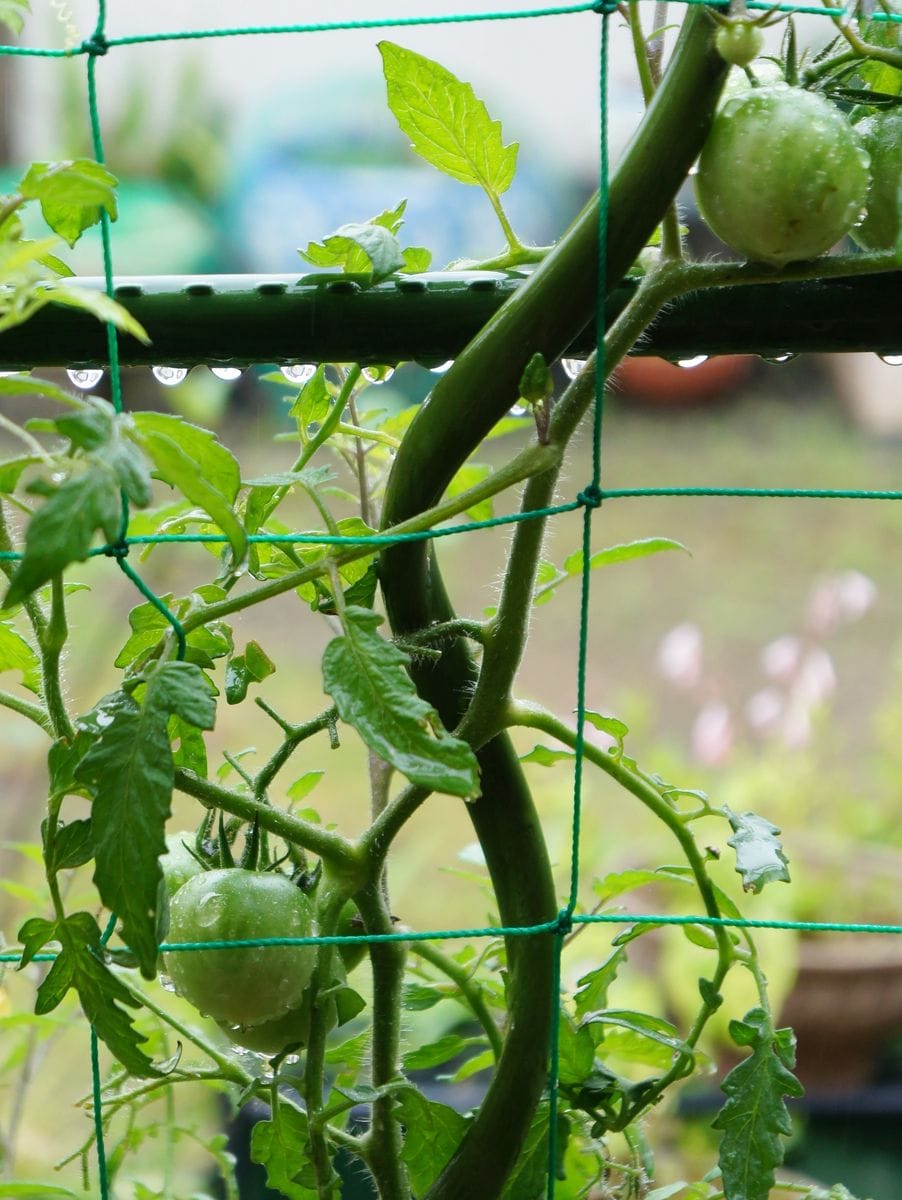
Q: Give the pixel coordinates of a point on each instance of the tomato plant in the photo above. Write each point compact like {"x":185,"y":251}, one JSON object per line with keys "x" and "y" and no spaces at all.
{"x":431,"y":697}
{"x":783,"y":176}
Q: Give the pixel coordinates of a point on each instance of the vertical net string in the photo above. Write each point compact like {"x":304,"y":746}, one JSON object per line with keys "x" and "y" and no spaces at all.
{"x":590,"y":499}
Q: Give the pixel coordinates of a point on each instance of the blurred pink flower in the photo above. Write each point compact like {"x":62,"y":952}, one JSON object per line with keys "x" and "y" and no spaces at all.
{"x":680,"y":655}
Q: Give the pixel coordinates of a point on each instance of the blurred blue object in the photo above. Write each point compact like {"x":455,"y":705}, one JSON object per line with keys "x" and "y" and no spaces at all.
{"x":325,"y":157}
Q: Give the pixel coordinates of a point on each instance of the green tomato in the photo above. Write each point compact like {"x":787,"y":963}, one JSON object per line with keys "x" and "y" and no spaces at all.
{"x":782,"y":176}
{"x":178,"y":864}
{"x":739,"y":42}
{"x":250,"y":985}
{"x":271,"y":1037}
{"x":882,"y":137}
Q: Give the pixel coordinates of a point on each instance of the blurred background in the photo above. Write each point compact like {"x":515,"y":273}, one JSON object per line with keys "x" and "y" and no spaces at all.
{"x":764,"y":665}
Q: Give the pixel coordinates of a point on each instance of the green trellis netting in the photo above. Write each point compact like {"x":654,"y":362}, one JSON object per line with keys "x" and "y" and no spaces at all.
{"x":95,"y":51}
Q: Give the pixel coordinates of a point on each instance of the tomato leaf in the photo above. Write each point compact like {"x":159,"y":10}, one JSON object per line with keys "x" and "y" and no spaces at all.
{"x":433,"y":1133}
{"x":573,"y":564}
{"x":62,"y":530}
{"x":592,"y":988}
{"x":436,"y":1054}
{"x":446,"y":122}
{"x":359,"y":248}
{"x":366,"y":677}
{"x":754,"y":1119}
{"x":195,"y":462}
{"x":16,"y":654}
{"x":759,"y":854}
{"x":544,"y":756}
{"x":72,"y":195}
{"x":73,"y":845}
{"x":131,"y":768}
{"x":278,"y":1146}
{"x":242,"y":670}
{"x":101,"y":994}
{"x":98,"y":304}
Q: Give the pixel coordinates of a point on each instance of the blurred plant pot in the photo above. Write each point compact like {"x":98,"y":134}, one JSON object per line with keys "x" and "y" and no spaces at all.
{"x":845,"y":1005}
{"x":846,"y":1002}
{"x":659,"y":383}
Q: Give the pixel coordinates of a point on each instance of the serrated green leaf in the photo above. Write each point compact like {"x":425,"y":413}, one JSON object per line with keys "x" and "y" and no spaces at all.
{"x":759,"y":855}
{"x":73,"y":846}
{"x":446,"y":122}
{"x":62,"y":530}
{"x":303,"y":786}
{"x":416,"y":260}
{"x":417,"y":997}
{"x":573,"y":564}
{"x":98,"y":304}
{"x":754,"y":1120}
{"x":612,"y":726}
{"x":366,"y":677}
{"x":576,"y":1051}
{"x":89,"y":426}
{"x":278,"y":1146}
{"x":131,"y":769}
{"x":432,"y":1134}
{"x":16,"y":654}
{"x":361,"y":248}
{"x":436,"y":1054}
{"x":314,"y":400}
{"x":645,"y":1025}
{"x":72,"y":195}
{"x":545,"y":757}
{"x":592,"y":988}
{"x":100,"y":992}
{"x":195,"y":462}
{"x":34,"y":936}
{"x":129,"y":466}
{"x":183,"y":689}
{"x":189,"y":750}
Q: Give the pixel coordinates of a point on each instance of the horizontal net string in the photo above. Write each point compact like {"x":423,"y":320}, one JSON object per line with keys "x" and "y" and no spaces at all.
{"x":99,"y":46}
{"x":585,"y":500}
{"x":546,"y":927}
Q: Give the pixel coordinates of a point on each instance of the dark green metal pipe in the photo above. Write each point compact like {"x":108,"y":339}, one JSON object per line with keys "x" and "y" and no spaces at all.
{"x":241,"y":319}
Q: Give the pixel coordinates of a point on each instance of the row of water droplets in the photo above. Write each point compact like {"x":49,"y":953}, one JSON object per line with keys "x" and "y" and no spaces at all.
{"x":87,"y":378}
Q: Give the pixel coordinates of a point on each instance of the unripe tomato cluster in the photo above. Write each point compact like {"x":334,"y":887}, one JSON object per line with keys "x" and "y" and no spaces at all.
{"x":784,"y":176}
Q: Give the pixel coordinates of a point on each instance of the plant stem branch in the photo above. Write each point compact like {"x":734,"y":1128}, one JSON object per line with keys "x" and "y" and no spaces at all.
{"x":470,"y":992}
{"x":383,"y":1142}
{"x":27,"y":708}
{"x":330,"y":846}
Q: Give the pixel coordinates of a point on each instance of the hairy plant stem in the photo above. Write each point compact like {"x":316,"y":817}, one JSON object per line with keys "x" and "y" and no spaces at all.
{"x":470,"y":993}
{"x":52,"y":643}
{"x":295,"y":735}
{"x":27,"y":708}
{"x":315,"y":1063}
{"x":334,"y":849}
{"x":383,"y":1142}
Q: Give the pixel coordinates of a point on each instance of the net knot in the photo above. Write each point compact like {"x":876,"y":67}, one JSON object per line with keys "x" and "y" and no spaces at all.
{"x":95,"y":45}
{"x":591,"y":496}
{"x":117,"y":549}
{"x":605,"y":7}
{"x":564,"y":923}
